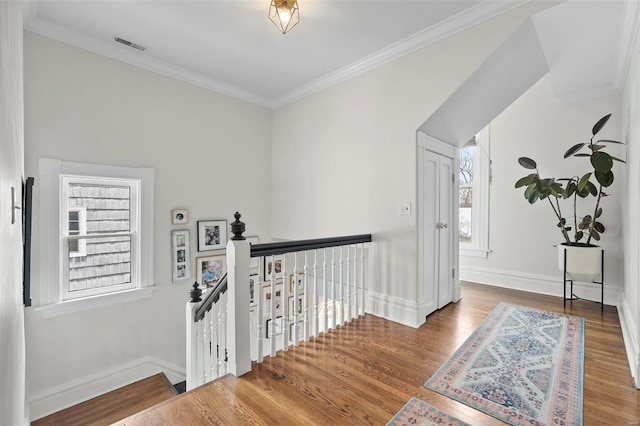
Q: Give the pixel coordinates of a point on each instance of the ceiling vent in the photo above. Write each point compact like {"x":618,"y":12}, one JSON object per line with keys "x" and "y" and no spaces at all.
{"x":130,"y":44}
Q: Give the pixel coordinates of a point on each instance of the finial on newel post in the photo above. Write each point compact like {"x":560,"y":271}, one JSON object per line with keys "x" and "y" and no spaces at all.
{"x":195,"y":293}
{"x":237,"y":228}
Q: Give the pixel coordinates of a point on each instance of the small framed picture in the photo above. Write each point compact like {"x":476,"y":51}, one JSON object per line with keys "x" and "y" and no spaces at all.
{"x":296,"y":283}
{"x":254,"y":262}
{"x":293,"y":308}
{"x":212,"y":234}
{"x":267,"y":299}
{"x":180,"y":257}
{"x":179,"y":216}
{"x":253,"y":284}
{"x":209,"y":269}
{"x":269,"y":262}
{"x":277,"y":324}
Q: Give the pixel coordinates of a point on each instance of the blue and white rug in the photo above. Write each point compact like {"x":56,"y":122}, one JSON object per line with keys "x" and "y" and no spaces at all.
{"x":522,"y":366}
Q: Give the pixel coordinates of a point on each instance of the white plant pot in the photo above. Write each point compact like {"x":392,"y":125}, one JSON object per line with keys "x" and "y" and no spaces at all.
{"x":583,"y":263}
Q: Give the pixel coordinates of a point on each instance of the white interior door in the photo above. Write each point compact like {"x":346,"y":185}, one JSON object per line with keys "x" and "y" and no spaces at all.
{"x":437,"y":216}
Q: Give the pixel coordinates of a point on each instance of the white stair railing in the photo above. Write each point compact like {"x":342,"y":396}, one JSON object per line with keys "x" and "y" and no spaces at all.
{"x":300,"y":289}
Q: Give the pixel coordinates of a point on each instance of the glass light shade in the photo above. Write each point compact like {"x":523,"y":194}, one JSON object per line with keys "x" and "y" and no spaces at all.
{"x":284,"y":14}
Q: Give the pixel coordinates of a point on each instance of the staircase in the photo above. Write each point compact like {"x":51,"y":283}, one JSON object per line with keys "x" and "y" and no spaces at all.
{"x":115,"y":405}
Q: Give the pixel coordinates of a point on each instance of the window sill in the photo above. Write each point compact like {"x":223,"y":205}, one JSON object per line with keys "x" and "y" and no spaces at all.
{"x":472,"y":252}
{"x":72,"y":306}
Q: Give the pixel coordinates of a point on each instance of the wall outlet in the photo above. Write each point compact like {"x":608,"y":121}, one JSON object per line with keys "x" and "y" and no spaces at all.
{"x":405,"y":209}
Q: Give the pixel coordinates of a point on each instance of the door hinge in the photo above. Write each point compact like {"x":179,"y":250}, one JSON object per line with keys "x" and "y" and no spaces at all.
{"x":453,"y":273}
{"x":453,"y":178}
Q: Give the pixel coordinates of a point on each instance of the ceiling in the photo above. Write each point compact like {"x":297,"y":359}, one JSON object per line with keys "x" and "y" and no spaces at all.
{"x":231,"y":47}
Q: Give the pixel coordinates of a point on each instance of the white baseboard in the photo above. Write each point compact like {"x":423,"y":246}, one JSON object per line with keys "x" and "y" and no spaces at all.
{"x":629,"y":335}
{"x":392,"y":308}
{"x":52,"y":400}
{"x":543,"y":284}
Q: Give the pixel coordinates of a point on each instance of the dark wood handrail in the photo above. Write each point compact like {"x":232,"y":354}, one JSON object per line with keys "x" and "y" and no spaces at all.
{"x":211,"y":298}
{"x":268,"y":249}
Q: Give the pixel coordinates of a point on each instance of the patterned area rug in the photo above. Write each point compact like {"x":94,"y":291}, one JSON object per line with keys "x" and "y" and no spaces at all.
{"x":417,"y":412}
{"x":522,"y":366}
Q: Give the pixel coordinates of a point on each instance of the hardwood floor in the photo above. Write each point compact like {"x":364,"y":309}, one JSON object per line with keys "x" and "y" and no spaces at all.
{"x":113,"y":406}
{"x":365,"y":372}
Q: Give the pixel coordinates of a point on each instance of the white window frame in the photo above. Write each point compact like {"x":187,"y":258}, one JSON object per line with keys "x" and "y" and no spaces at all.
{"x":54,"y":227}
{"x":479,"y":245}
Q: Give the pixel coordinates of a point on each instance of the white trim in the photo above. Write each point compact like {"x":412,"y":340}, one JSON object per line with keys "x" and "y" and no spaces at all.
{"x":48,"y":401}
{"x":93,"y":302}
{"x":477,"y":14}
{"x":472,"y":252}
{"x":629,"y":333}
{"x":393,"y":309}
{"x":51,"y":173}
{"x":535,"y":283}
{"x":628,"y":30}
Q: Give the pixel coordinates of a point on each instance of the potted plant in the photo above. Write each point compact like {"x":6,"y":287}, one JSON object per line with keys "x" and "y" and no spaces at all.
{"x":583,"y":258}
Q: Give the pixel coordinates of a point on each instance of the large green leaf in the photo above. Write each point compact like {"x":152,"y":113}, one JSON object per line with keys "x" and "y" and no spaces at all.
{"x":579,"y":235}
{"x":605,"y":179}
{"x":533,"y":197}
{"x":610,"y":141}
{"x":601,"y":161}
{"x":583,"y":181}
{"x":526,"y":181}
{"x":599,"y":212}
{"x":594,"y":234}
{"x":598,"y":227}
{"x":600,"y":124}
{"x":527,"y":163}
{"x":582,"y":154}
{"x":530,"y":189}
{"x":571,"y":188}
{"x":595,"y":148}
{"x":577,"y":147}
{"x":592,"y":188}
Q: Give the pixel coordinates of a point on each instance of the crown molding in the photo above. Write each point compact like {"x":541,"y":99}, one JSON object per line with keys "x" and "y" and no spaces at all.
{"x":139,"y":59}
{"x":461,"y":21}
{"x":628,"y":31}
{"x":457,"y":23}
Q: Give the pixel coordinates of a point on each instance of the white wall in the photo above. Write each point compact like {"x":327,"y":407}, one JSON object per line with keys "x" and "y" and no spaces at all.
{"x":630,"y":296}
{"x":522,"y":236}
{"x":12,"y":346}
{"x":345,"y":158}
{"x":210,"y":154}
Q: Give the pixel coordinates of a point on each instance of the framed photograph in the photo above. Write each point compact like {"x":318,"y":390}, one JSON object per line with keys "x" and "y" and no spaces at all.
{"x":212,"y":234}
{"x":296,"y":283}
{"x":254,"y":262}
{"x":253,"y":284}
{"x":293,"y":307}
{"x":278,"y":323}
{"x":179,"y":216}
{"x":180,"y":257}
{"x":267,"y":299}
{"x":268,"y":265}
{"x":209,"y":269}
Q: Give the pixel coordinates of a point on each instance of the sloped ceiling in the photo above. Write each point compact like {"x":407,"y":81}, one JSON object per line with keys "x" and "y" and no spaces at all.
{"x":231,"y":47}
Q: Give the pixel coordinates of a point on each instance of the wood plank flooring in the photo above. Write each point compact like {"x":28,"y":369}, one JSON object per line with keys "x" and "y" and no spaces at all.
{"x":114,"y":406}
{"x":365,"y":372}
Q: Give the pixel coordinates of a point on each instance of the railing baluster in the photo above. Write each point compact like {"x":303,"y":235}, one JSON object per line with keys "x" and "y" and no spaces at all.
{"x":258,"y":298}
{"x":315,"y":293}
{"x":285,"y":306}
{"x":272,"y":307}
{"x":355,"y":282}
{"x":341,"y":288}
{"x":361,"y":311}
{"x":348,"y":285}
{"x":325,"y":315}
{"x":305,"y":298}
{"x":200,"y":360}
{"x":333,"y":288}
{"x":294,"y":280}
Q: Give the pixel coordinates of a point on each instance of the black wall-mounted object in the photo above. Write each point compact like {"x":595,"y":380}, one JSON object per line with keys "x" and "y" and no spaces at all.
{"x":27,"y":202}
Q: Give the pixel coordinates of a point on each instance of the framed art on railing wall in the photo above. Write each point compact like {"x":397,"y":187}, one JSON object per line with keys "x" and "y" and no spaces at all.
{"x":209,"y":269}
{"x":180,"y":255}
{"x":212,"y":235}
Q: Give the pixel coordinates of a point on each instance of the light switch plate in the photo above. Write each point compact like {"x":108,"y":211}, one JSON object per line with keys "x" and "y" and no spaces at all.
{"x":405,"y":209}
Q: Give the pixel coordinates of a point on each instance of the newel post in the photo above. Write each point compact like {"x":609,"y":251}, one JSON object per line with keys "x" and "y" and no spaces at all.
{"x":238,"y":340}
{"x":192,"y":333}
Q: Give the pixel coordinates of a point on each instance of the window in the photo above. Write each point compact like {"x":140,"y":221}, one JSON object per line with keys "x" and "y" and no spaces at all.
{"x":97,"y":224}
{"x":474,"y":176}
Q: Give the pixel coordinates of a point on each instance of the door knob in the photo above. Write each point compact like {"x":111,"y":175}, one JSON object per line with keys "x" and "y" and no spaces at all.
{"x":444,"y":225}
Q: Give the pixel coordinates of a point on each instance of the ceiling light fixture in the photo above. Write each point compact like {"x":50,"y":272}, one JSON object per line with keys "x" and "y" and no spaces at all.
{"x":284,"y":13}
